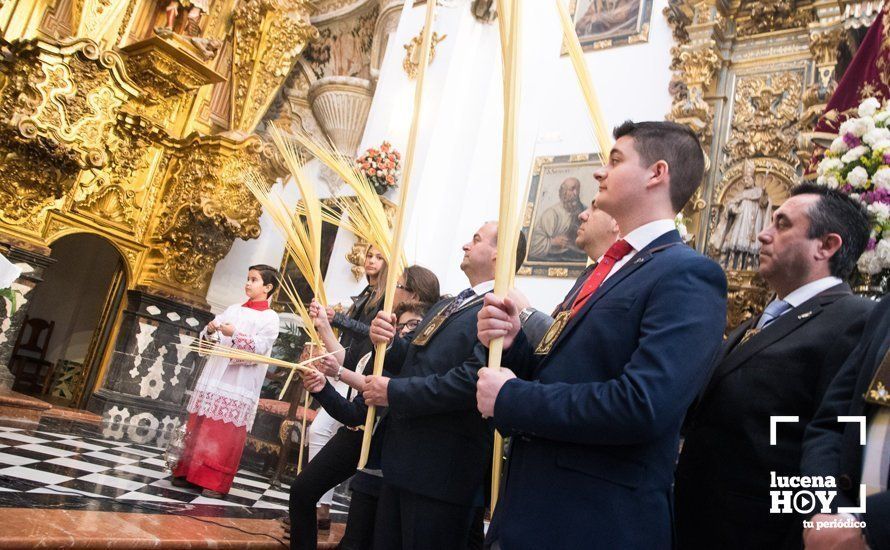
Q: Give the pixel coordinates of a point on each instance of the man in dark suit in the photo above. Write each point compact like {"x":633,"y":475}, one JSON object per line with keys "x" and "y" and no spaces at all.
{"x":596,"y":233}
{"x":832,"y":448}
{"x":437,"y":448}
{"x":595,"y":410}
{"x":778,"y":363}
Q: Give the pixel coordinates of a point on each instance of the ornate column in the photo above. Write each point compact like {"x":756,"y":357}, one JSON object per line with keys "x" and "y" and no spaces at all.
{"x":32,"y":264}
{"x":825,"y":37}
{"x":697,"y":58}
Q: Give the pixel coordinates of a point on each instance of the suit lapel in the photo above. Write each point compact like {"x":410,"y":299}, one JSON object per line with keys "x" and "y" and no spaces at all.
{"x":637,"y":261}
{"x":778,"y":329}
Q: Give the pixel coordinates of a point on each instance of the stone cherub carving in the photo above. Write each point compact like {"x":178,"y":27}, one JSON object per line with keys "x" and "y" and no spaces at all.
{"x":745,"y":214}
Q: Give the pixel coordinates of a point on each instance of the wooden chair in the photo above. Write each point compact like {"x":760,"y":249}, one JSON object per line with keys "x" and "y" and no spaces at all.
{"x":32,"y":353}
{"x":290,"y":427}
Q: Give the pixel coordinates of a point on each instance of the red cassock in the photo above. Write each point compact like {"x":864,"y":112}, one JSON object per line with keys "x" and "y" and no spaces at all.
{"x":212,"y":453}
{"x":224,"y":401}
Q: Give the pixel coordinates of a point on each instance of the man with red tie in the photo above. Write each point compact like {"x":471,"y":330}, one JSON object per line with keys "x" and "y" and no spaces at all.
{"x":594,"y":411}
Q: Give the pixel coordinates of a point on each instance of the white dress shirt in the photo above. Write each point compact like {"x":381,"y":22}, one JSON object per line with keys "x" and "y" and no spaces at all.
{"x":640,"y":238}
{"x":809,"y":290}
{"x":482,"y":288}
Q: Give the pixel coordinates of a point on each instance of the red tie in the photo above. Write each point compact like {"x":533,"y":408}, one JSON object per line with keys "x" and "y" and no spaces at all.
{"x":618,"y":250}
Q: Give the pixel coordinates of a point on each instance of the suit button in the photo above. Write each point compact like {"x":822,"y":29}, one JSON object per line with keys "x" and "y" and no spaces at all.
{"x":844,"y":482}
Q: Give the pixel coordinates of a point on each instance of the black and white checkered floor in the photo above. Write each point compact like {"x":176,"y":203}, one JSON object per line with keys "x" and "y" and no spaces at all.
{"x":44,"y":462}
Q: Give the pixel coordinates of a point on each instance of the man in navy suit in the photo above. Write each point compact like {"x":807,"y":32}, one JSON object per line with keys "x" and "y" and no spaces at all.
{"x":594,"y":411}
{"x":436,"y":448}
{"x":832,"y":448}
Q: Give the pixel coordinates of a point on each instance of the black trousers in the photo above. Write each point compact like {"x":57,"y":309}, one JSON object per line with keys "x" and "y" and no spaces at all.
{"x":359,"y":533}
{"x":333,"y":465}
{"x":408,"y":521}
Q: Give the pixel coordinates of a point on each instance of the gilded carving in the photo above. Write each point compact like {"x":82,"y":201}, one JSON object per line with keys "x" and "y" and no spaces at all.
{"x":268,"y":36}
{"x":168,"y":72}
{"x":697,"y":28}
{"x":94,"y":19}
{"x":206,"y":206}
{"x":747,"y":296}
{"x":112,"y":203}
{"x":33,"y":178}
{"x":697,"y":65}
{"x":356,"y":257}
{"x":411,"y":63}
{"x":67,"y":94}
{"x":773,"y":15}
{"x":765,"y":119}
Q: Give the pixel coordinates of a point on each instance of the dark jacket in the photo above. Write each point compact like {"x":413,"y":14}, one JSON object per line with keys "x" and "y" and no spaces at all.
{"x":355,"y":326}
{"x":596,"y":422}
{"x":723,"y":476}
{"x":437,"y":444}
{"x":832,"y":448}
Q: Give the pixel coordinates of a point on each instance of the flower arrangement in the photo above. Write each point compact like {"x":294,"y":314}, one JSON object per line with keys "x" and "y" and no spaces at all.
{"x":381,"y":166}
{"x":680,"y":224}
{"x":858,"y":163}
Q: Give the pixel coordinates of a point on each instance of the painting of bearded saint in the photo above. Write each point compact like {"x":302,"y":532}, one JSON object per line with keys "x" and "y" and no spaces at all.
{"x":603,"y":18}
{"x":553,"y":238}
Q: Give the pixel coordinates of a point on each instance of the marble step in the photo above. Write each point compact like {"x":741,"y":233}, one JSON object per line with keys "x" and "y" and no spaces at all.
{"x":20,"y":408}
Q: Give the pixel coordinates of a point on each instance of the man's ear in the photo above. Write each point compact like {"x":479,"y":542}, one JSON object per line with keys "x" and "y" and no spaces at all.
{"x":660,"y":174}
{"x":828,"y":246}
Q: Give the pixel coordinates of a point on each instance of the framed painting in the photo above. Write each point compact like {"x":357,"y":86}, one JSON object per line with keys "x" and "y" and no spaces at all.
{"x":560,"y":188}
{"x":607,"y":23}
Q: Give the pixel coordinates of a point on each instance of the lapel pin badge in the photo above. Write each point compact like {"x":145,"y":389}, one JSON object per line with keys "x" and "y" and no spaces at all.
{"x":804,"y":315}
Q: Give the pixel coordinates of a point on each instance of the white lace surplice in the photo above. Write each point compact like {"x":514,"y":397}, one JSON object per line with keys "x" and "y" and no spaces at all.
{"x":228,"y":390}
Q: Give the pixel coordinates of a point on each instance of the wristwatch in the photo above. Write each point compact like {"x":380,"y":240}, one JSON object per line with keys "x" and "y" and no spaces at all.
{"x":525,"y":314}
{"x":337,"y":376}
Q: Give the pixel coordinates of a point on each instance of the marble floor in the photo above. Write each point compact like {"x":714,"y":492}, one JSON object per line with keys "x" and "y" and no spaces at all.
{"x":58,"y":478}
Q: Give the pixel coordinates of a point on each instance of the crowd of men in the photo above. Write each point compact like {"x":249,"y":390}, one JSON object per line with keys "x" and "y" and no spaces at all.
{"x":596,"y":397}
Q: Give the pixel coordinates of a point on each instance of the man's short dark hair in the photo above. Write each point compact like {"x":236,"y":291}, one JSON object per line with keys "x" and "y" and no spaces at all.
{"x":838,"y":213}
{"x":673,"y":143}
{"x":269,"y":275}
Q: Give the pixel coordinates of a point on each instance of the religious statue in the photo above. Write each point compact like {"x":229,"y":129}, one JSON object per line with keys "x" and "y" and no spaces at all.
{"x":190,"y":24}
{"x":743,"y":218}
{"x":206,"y":48}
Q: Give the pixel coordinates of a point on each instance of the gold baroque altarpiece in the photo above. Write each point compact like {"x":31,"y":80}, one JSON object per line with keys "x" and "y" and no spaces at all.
{"x":105,"y":128}
{"x":750,"y":78}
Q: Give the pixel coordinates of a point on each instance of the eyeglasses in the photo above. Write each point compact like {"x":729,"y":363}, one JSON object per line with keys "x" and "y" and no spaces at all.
{"x":410,"y":325}
{"x":403,"y":287}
